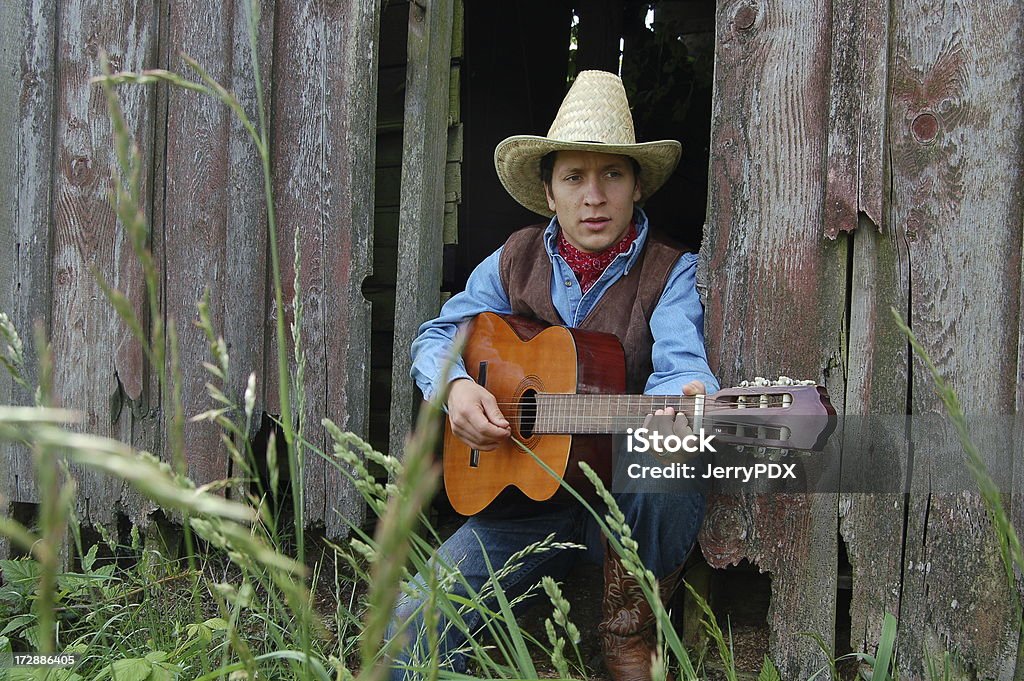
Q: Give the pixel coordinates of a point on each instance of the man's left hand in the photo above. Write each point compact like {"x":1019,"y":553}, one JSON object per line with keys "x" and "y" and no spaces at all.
{"x":671,"y":422}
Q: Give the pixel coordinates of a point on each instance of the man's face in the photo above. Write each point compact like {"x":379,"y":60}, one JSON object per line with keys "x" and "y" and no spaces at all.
{"x":593,"y":195}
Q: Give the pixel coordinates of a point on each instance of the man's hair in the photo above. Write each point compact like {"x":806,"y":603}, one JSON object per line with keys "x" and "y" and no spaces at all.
{"x":547,"y":167}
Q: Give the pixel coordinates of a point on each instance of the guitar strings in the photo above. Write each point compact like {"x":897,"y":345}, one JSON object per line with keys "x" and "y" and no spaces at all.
{"x":709,"y":408}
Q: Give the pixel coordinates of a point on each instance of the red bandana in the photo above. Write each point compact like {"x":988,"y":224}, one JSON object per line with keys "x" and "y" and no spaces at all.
{"x":588,"y":266}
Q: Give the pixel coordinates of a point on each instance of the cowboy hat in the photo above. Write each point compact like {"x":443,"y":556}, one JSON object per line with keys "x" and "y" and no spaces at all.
{"x":594,"y":116}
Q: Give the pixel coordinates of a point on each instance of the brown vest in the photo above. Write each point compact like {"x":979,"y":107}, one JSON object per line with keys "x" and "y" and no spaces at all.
{"x":624,"y":310}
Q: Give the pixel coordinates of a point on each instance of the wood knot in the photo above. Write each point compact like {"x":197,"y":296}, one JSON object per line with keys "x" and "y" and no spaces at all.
{"x":80,"y":171}
{"x":92,"y":45}
{"x":913,"y":227}
{"x":925,"y":128}
{"x":745,"y":17}
{"x":418,"y":11}
{"x":65,"y":277}
{"x":725,"y":531}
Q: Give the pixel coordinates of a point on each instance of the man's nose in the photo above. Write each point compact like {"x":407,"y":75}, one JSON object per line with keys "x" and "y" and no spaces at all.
{"x":594,"y":194}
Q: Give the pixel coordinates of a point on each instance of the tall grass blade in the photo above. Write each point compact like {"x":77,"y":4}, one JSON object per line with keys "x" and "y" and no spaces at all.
{"x":886,"y":648}
{"x":523,"y":661}
{"x":714,"y":631}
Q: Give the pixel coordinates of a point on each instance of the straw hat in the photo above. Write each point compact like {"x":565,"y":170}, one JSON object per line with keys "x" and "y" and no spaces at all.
{"x":594,"y":116}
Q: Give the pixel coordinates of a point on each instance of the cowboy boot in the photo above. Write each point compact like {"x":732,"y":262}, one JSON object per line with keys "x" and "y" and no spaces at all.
{"x":628,"y":635}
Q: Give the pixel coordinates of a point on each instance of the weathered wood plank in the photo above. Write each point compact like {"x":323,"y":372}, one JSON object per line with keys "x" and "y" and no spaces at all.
{"x":870,"y":524}
{"x":11,"y":17}
{"x":957,"y":199}
{"x":857,"y":108}
{"x":26,"y":270}
{"x":98,"y":365}
{"x":196,"y":218}
{"x":148,"y":412}
{"x":324,"y":140}
{"x":421,"y":218}
{"x":776,"y":290}
{"x":244,"y":306}
{"x":11,"y":48}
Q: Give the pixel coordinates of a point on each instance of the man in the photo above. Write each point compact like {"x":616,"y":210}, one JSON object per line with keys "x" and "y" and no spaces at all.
{"x":595,"y":267}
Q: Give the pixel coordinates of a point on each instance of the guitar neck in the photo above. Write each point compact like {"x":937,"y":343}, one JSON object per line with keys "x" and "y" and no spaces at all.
{"x":602,"y":414}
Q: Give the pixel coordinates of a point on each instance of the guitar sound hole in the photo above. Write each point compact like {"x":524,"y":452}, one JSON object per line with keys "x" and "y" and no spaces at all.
{"x":528,"y":413}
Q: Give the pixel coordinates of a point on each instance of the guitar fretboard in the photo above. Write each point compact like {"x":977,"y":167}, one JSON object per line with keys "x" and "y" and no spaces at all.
{"x":599,"y":414}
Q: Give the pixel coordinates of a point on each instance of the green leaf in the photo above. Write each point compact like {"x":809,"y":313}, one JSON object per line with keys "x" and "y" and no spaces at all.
{"x":90,"y":557}
{"x":157,"y":655}
{"x":132,"y":669}
{"x":200,"y":632}
{"x":216,"y":624}
{"x":768,"y":671}
{"x":18,"y":623}
{"x":161,"y":673}
{"x":31,"y":634}
{"x":72,"y":583}
{"x":105,"y":571}
{"x":20,"y":575}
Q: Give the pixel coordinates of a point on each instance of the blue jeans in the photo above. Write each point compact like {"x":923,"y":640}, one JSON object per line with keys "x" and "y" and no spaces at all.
{"x":664,"y":525}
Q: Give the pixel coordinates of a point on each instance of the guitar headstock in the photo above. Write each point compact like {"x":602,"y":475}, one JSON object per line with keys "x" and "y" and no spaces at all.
{"x":783,"y":414}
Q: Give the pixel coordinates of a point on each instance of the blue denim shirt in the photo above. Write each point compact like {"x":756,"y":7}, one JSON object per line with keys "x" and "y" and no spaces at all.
{"x":677,"y":323}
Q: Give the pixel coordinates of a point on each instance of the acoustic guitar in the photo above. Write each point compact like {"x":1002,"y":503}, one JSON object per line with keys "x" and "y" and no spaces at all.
{"x":561,"y":391}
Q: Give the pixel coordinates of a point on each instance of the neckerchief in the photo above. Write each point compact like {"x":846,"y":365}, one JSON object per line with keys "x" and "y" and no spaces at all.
{"x":588,"y":266}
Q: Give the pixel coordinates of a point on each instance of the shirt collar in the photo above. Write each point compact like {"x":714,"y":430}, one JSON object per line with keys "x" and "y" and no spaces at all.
{"x":551,"y":237}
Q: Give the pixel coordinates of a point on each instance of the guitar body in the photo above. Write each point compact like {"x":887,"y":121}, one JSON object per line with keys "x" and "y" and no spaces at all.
{"x":514,"y":358}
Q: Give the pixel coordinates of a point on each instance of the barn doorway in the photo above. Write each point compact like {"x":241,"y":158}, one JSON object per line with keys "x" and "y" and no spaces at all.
{"x":519,"y":60}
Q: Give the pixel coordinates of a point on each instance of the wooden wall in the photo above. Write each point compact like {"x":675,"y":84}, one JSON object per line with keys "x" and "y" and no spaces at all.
{"x":865,"y":156}
{"x":205,"y":205}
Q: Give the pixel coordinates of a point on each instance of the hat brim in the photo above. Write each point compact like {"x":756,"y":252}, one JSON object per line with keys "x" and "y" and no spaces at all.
{"x":517,"y":160}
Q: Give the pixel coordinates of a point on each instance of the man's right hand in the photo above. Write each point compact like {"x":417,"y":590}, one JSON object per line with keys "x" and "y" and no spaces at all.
{"x":475,"y":416}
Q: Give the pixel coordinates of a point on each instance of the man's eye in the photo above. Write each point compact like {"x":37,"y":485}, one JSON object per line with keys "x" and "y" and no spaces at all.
{"x":572,"y":178}
{"x":614,"y":174}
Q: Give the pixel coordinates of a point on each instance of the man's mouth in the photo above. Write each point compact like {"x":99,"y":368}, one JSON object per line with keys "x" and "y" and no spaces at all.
{"x":596,"y":223}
